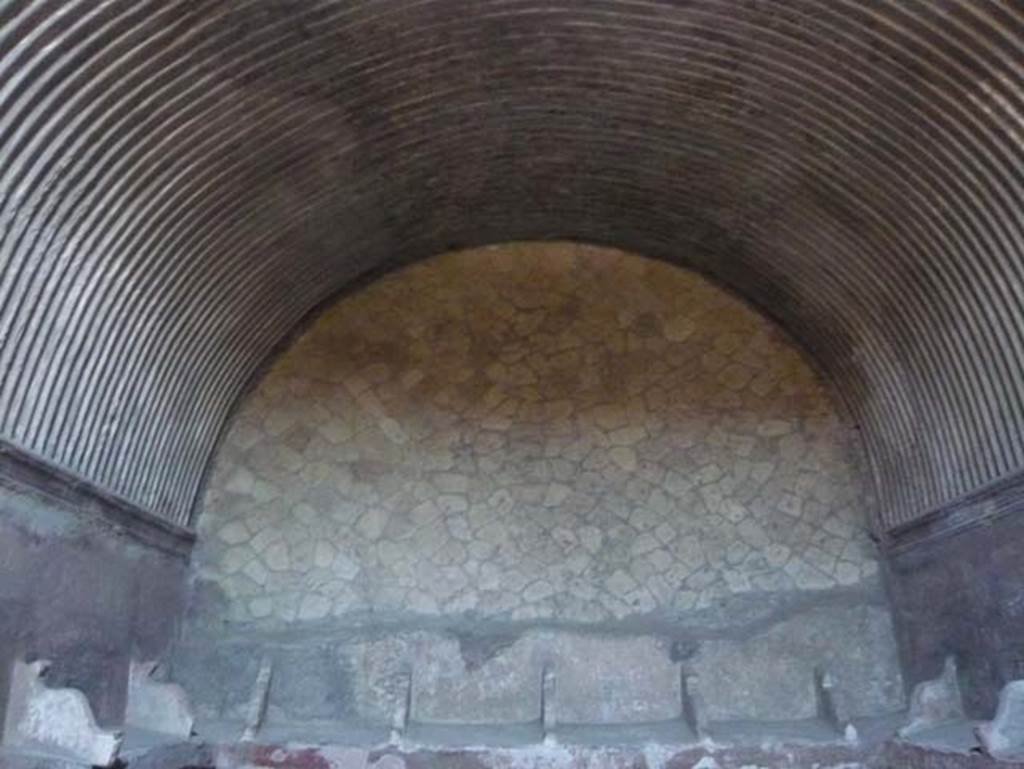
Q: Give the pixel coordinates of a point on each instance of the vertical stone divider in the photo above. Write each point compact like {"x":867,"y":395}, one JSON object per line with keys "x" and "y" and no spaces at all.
{"x":693,"y":710}
{"x":403,"y":709}
{"x":548,"y":718}
{"x":825,"y":702}
{"x":258,"y":701}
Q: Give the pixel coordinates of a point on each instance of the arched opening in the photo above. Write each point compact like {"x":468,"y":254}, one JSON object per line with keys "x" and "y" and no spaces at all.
{"x":183,"y":181}
{"x":542,"y":455}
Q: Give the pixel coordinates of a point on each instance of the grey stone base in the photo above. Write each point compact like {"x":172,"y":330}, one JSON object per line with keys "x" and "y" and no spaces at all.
{"x":369,"y":678}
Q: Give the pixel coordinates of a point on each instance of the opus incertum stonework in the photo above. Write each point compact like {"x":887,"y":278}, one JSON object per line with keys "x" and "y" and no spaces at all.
{"x":527,"y":432}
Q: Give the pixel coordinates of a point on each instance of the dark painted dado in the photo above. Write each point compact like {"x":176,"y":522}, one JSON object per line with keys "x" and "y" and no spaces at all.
{"x":957,"y":586}
{"x":84,"y":581}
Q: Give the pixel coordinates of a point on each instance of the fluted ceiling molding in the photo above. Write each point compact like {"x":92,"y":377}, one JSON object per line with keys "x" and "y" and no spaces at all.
{"x":181,"y":181}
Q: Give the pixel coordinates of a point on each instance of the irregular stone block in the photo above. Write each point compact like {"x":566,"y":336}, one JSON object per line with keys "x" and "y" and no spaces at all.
{"x":380,"y":677}
{"x":217,"y":676}
{"x":156,"y":706}
{"x":770,"y":676}
{"x":607,"y":680}
{"x":310,"y":683}
{"x":935,"y":702}
{"x":476,"y":681}
{"x":1003,"y":736}
{"x":57,"y":721}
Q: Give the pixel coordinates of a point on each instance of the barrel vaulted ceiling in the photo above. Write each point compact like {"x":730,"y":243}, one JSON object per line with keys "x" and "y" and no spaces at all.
{"x":182,"y":181}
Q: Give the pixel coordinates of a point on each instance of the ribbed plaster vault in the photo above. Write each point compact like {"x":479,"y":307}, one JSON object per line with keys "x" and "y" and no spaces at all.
{"x":182,"y":181}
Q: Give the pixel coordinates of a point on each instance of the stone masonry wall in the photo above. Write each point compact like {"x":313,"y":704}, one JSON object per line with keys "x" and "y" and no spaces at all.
{"x":532,"y":432}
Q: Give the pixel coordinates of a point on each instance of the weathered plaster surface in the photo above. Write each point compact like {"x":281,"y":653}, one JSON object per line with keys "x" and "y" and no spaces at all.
{"x":529,"y":432}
